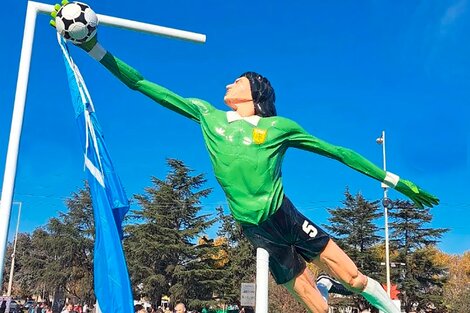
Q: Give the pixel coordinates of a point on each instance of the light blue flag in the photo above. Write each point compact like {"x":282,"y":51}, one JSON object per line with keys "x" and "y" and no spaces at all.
{"x":110,"y":204}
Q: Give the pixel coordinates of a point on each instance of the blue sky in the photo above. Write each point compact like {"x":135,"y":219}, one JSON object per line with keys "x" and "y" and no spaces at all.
{"x":344,"y":70}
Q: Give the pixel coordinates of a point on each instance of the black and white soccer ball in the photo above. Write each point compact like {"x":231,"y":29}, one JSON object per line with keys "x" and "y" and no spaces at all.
{"x":76,"y":22}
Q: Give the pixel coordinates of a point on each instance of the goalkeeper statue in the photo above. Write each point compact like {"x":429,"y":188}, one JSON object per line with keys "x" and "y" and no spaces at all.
{"x":246,"y":147}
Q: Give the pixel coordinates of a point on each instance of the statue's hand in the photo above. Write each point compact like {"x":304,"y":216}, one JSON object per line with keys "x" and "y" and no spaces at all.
{"x":89,"y":44}
{"x":57,"y":7}
{"x":420,"y":197}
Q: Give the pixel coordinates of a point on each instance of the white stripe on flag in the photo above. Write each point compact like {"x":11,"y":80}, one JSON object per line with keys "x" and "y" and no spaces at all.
{"x":97,"y":307}
{"x":90,"y":131}
{"x":94,"y":171}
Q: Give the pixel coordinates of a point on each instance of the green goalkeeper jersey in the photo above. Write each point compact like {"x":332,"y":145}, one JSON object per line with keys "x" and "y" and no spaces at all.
{"x":246,"y":152}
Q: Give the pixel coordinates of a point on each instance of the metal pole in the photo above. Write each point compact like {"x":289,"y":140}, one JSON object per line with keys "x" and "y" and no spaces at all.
{"x":385,"y":202}
{"x":13,"y":255}
{"x":262,"y":275}
{"x":15,"y":131}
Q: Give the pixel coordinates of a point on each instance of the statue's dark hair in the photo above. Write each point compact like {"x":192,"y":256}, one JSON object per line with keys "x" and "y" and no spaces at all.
{"x":262,"y":93}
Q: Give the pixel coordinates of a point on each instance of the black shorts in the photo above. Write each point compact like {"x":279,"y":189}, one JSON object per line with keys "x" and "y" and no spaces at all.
{"x":290,"y":239}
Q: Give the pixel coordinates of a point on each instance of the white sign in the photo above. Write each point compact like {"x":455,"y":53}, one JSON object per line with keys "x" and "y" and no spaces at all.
{"x":248,"y":294}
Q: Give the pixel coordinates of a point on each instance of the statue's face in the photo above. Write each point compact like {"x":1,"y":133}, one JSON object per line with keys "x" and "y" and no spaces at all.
{"x":239,"y":92}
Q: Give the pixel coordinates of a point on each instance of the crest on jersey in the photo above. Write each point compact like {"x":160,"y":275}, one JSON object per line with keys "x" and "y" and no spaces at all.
{"x":259,"y":135}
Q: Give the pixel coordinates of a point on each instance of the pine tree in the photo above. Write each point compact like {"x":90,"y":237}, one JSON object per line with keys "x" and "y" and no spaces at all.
{"x":355,"y":232}
{"x":69,"y":266}
{"x":58,"y":257}
{"x":354,"y":229}
{"x":421,"y":279}
{"x":22,"y":277}
{"x":160,"y":246}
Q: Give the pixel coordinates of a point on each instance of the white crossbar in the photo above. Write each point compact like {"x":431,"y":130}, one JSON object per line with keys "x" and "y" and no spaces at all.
{"x":133,"y":25}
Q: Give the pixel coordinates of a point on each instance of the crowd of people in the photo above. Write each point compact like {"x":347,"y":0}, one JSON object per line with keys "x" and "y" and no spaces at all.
{"x":181,"y":308}
{"x":46,"y":307}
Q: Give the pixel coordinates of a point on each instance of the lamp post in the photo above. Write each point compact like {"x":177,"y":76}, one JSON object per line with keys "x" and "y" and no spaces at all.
{"x":12,"y":267}
{"x":386,"y":204}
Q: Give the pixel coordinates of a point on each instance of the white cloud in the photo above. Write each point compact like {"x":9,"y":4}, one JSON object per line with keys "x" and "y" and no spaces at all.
{"x":453,"y":13}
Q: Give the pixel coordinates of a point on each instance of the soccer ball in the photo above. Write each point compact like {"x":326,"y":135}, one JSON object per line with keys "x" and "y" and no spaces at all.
{"x":76,"y":22}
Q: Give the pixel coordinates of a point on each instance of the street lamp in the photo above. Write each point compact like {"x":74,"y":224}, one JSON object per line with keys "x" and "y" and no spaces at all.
{"x":387,"y":205}
{"x":12,"y":267}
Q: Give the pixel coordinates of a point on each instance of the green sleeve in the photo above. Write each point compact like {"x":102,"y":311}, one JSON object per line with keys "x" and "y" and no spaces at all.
{"x":134,"y":80}
{"x":297,"y":137}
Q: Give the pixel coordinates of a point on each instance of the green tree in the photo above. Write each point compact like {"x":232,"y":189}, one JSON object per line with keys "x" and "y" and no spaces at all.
{"x":421,"y":278}
{"x":355,"y":232}
{"x":78,"y":223}
{"x":457,"y":288}
{"x":56,"y":259}
{"x":160,"y":245}
{"x":39,"y":259}
{"x":22,"y":277}
{"x":69,"y":265}
{"x":30,"y":263}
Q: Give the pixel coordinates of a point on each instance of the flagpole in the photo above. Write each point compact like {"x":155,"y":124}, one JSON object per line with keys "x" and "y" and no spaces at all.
{"x":33,"y":8}
{"x":385,"y":202}
{"x":13,"y":255}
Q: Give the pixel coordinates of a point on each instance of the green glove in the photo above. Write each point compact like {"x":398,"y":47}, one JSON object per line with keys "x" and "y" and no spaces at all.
{"x":420,"y":197}
{"x":88,"y":45}
{"x":56,"y":10}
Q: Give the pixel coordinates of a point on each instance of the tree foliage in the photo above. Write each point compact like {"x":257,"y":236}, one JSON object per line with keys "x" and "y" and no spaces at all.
{"x":57,"y":258}
{"x":353,"y":225}
{"x":24,"y":273}
{"x":160,"y":245}
{"x":457,"y":287}
{"x":422,"y":278}
{"x":356,"y":233}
